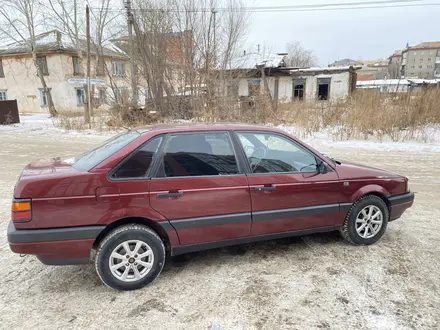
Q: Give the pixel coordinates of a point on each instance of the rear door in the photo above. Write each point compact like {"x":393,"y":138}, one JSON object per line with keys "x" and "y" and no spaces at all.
{"x":201,"y":189}
{"x":287,"y":191}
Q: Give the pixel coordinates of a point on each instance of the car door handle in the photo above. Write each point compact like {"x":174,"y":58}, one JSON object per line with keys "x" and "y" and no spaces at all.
{"x":170,"y":195}
{"x":269,"y":188}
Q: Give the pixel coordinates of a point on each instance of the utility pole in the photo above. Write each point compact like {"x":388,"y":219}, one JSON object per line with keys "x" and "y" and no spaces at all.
{"x":130,"y":22}
{"x":214,"y":12}
{"x":89,"y":101}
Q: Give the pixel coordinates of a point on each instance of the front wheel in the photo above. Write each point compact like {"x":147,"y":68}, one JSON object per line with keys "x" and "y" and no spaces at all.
{"x":366,"y":221}
{"x":130,"y":257}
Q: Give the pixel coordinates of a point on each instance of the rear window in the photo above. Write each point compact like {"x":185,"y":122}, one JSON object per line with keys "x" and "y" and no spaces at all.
{"x":88,"y":160}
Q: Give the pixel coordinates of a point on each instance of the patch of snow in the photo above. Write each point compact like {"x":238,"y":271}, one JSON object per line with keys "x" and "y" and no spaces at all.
{"x":251,"y":60}
{"x":322,"y":69}
{"x":45,"y":125}
{"x":326,"y":138}
{"x":111,"y":46}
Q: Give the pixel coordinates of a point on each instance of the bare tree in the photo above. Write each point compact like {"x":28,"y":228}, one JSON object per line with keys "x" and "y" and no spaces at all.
{"x":23,"y":17}
{"x":300,"y":57}
{"x":68,"y":16}
{"x":208,"y":34}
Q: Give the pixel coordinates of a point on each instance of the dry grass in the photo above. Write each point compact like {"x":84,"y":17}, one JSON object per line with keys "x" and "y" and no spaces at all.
{"x":398,"y":117}
{"x":369,"y":113}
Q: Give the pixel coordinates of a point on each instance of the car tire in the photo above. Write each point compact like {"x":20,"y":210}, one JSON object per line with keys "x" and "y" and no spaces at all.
{"x":133,"y":269}
{"x":362,"y":227}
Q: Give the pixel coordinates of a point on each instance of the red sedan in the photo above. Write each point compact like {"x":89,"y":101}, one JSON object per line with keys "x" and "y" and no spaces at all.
{"x":178,"y":189}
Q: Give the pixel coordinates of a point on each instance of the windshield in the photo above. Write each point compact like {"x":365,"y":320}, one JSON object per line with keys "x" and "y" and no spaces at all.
{"x":88,"y":160}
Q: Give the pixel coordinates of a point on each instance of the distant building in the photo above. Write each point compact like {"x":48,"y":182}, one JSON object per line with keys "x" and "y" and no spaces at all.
{"x":344,"y":62}
{"x":59,"y":60}
{"x":398,"y":85}
{"x":422,"y":61}
{"x":395,"y":65}
{"x":286,"y":84}
{"x":373,"y":69}
{"x":370,"y":69}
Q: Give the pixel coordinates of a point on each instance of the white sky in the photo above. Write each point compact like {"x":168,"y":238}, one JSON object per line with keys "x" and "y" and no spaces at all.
{"x":356,"y":34}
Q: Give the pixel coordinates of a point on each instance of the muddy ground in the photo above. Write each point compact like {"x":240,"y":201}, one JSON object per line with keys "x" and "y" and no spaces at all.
{"x":316,"y":281}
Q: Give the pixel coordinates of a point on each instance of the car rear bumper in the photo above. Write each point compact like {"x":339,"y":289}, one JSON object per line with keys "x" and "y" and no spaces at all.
{"x":399,"y":203}
{"x":60,"y":246}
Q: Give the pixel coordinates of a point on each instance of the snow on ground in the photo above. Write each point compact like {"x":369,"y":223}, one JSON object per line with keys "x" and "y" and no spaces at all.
{"x":312,"y":282}
{"x":325,"y":139}
{"x":45,"y":125}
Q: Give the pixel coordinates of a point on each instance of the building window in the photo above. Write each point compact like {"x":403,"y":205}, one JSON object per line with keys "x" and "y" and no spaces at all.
{"x":77,"y":68}
{"x":414,"y":53}
{"x":42,"y":64}
{"x":2,"y":73}
{"x":420,"y":66}
{"x":414,"y":59}
{"x":3,"y":95}
{"x":118,"y":68}
{"x":102,"y":95}
{"x":413,"y":67}
{"x":422,"y":53}
{"x":100,"y":66}
{"x":80,"y":96}
{"x":299,"y":87}
{"x":323,"y":89}
{"x":429,"y":59}
{"x":44,"y":100}
{"x":121,"y":95}
{"x":254,"y":86}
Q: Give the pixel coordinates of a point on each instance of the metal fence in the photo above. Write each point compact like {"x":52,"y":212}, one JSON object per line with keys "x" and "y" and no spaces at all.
{"x":9,"y":112}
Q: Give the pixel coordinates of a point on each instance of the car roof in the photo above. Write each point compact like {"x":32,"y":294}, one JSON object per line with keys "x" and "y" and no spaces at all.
{"x":191,"y":127}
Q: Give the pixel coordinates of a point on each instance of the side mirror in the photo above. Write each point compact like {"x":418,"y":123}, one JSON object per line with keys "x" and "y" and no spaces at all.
{"x":322,"y":168}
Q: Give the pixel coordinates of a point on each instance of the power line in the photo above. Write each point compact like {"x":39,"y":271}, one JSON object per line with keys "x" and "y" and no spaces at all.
{"x":293,"y":8}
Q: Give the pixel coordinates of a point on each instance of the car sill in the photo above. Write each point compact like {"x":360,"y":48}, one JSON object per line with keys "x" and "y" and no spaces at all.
{"x":244,"y":240}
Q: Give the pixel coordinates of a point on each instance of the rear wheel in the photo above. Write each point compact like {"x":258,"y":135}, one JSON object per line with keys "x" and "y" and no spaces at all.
{"x":366,"y":221}
{"x":130,"y":257}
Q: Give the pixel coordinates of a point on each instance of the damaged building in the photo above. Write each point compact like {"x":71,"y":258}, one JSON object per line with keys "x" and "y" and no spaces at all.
{"x":287,"y":84}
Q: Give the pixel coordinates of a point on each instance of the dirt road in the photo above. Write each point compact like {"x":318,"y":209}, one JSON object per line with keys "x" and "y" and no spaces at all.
{"x":317,"y":281}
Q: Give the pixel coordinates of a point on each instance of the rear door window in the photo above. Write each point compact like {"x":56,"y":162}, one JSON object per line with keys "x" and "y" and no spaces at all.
{"x":137,"y":164}
{"x":198,"y":154}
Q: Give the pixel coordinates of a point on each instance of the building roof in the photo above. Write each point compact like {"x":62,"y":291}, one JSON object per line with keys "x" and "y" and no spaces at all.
{"x":252,"y":60}
{"x":344,"y":62}
{"x":430,"y":44}
{"x":388,"y":82}
{"x":397,"y":53}
{"x":326,"y":69}
{"x":57,"y":41}
{"x":375,"y":63}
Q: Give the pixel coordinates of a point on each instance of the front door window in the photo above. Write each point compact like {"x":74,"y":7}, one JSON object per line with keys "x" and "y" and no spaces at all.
{"x":272,"y":153}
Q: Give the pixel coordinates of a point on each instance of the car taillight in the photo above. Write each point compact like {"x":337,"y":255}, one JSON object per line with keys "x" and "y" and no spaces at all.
{"x":21,"y":210}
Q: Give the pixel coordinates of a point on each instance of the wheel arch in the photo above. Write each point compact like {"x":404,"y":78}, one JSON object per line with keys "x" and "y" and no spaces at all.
{"x":154,"y":225}
{"x":374,"y":190}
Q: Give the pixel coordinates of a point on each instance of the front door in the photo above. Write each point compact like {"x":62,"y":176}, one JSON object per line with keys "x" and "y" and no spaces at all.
{"x":287,"y":191}
{"x":200,"y":189}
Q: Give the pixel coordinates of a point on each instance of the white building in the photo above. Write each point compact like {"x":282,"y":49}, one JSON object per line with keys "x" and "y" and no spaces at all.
{"x":289,"y":84}
{"x":59,"y":60}
{"x":398,"y":85}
